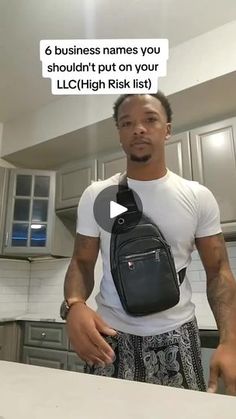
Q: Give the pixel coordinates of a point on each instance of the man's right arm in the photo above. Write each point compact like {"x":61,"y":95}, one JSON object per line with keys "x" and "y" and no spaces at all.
{"x":85,"y":327}
{"x":79,"y":280}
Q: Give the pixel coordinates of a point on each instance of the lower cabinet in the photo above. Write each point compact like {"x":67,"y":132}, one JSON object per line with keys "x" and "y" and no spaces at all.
{"x":74,"y":363}
{"x":10,"y":341}
{"x":47,"y":345}
{"x":50,"y":358}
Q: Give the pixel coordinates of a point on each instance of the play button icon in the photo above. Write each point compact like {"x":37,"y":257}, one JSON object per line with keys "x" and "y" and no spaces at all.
{"x":116,"y":209}
{"x":107,"y":207}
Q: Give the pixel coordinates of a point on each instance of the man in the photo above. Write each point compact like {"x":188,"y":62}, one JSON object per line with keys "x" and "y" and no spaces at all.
{"x":163,"y":347}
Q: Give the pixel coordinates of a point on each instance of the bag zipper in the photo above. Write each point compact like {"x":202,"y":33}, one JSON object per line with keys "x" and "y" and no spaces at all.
{"x":136,"y":256}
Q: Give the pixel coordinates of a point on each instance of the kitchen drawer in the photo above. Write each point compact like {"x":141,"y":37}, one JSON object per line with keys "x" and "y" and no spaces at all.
{"x":74,"y":363}
{"x":46,"y":335}
{"x":43,"y":357}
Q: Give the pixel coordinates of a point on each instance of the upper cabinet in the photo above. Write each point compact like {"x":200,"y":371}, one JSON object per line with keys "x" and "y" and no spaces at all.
{"x":29,"y":212}
{"x":178,"y":156}
{"x":31,"y":227}
{"x":206,"y":154}
{"x":4,"y":173}
{"x":71,"y":180}
{"x":214,"y":165}
{"x":110,"y":164}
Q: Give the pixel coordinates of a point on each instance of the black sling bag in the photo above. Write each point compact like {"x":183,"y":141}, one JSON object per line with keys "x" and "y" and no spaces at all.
{"x":142,"y":264}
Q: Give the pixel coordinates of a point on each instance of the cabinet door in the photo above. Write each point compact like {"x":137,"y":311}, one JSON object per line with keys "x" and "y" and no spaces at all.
{"x":177,"y":152}
{"x":206,"y":359}
{"x":10,"y":339}
{"x":46,"y":335}
{"x":4,"y":173}
{"x":45,"y":357}
{"x":30,"y":210}
{"x":74,"y":363}
{"x":72,"y":180}
{"x":214,"y":165}
{"x":110,"y":164}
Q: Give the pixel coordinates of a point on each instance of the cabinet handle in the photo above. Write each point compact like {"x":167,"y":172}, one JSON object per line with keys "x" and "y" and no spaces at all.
{"x":43,"y":335}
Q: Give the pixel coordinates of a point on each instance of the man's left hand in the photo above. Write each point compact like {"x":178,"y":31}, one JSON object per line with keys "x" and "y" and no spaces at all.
{"x":223,"y":364}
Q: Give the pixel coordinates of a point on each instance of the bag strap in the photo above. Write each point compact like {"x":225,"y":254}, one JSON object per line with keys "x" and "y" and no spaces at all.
{"x":125,"y":195}
{"x":126,"y":198}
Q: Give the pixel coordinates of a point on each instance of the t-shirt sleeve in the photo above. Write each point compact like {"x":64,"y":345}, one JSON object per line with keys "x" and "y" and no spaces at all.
{"x":86,"y":223}
{"x":208,"y":213}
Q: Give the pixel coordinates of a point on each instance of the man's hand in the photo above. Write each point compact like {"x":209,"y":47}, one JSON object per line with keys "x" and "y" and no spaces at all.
{"x":223,"y":364}
{"x":85,"y":327}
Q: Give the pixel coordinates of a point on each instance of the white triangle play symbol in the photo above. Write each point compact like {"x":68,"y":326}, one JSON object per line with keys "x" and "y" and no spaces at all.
{"x":116,"y":209}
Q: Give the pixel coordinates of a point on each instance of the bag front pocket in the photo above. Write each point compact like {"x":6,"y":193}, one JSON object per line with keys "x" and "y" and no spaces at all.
{"x":147,"y":282}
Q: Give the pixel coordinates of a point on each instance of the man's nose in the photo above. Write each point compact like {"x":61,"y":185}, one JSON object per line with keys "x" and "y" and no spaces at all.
{"x":139,"y":128}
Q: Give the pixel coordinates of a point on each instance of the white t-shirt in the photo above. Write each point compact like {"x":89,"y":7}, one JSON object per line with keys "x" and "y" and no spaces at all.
{"x":183,"y":210}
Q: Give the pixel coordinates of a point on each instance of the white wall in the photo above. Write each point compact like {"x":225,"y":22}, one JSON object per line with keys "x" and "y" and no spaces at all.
{"x":200,"y":59}
{"x":3,"y":163}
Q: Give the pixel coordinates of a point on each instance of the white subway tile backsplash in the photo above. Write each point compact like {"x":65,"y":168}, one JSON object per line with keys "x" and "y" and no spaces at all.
{"x":196,"y":265}
{"x":14,"y":290}
{"x":233,"y":262}
{"x":45,"y":309}
{"x":193,"y":276}
{"x":37,"y":287}
{"x":14,"y":285}
{"x":202,"y":275}
{"x":46,"y":285}
{"x":231,"y":249}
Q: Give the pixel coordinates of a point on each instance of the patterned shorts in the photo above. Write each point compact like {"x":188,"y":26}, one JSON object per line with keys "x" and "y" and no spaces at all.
{"x":171,"y":359}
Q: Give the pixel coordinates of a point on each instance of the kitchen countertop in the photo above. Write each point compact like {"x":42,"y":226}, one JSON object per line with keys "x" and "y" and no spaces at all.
{"x":48,"y":317}
{"x":31,"y":392}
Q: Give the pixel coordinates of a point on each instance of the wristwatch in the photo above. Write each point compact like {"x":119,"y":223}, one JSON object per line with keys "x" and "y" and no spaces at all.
{"x":66,"y":306}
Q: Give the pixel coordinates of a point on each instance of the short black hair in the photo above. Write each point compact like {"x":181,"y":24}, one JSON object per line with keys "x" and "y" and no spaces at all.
{"x":159,"y":95}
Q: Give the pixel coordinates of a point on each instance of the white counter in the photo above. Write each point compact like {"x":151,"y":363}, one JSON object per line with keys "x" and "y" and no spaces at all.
{"x":29,"y":392}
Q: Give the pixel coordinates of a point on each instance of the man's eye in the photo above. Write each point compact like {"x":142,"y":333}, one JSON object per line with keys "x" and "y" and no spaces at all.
{"x":126,"y":124}
{"x":152,"y":119}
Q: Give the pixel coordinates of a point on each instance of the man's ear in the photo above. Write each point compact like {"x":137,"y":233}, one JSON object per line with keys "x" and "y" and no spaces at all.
{"x":168,"y":130}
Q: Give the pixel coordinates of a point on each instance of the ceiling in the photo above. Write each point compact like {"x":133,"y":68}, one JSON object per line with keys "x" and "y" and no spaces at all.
{"x":23,"y":23}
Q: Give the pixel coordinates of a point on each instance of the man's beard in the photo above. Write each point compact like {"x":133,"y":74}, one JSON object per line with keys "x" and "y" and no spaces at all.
{"x":142,"y":159}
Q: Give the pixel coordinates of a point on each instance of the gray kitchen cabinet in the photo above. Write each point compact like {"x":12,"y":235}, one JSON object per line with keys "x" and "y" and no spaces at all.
{"x":10,"y":341}
{"x":46,"y":344}
{"x":178,"y":155}
{"x":178,"y":158}
{"x":32,"y":227}
{"x":29,"y":212}
{"x":4,"y":173}
{"x":71,"y":180}
{"x":45,"y":357}
{"x":110,"y":164}
{"x":74,"y":363}
{"x":213,"y":149}
{"x":46,"y":335}
{"x":207,"y":353}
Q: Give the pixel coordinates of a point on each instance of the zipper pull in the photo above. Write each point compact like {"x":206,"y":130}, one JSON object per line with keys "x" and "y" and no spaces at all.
{"x":131,"y":266}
